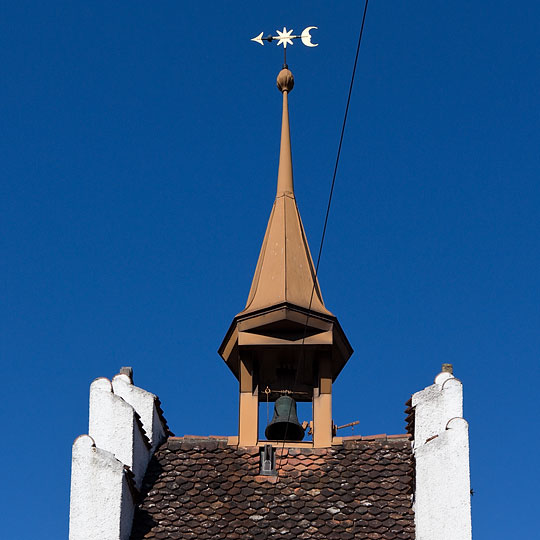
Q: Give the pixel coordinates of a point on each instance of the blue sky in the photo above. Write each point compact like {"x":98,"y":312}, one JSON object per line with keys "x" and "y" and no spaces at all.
{"x":139,"y":148}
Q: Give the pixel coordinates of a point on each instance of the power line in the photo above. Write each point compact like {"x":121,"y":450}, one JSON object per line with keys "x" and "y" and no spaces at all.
{"x":339,"y":147}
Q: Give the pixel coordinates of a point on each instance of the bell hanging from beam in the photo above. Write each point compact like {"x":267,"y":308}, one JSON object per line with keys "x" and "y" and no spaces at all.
{"x":284,"y":426}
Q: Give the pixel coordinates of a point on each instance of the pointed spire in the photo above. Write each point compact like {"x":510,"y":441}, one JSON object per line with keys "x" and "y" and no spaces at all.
{"x":285,"y":83}
{"x":285,"y":271}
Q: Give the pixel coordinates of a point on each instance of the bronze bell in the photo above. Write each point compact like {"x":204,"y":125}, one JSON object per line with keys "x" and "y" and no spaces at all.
{"x":284,"y":425}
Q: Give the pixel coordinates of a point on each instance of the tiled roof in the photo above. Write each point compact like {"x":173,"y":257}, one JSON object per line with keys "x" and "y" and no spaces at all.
{"x":203,"y":489}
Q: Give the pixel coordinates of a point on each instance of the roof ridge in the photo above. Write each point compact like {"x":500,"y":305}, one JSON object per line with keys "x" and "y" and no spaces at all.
{"x":199,"y":437}
{"x":380,"y":436}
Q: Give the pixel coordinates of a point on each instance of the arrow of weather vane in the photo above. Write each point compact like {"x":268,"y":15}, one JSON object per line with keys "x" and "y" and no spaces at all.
{"x":285,"y":37}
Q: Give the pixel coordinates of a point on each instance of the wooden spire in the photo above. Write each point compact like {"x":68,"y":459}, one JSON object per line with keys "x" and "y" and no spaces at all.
{"x":285,"y":271}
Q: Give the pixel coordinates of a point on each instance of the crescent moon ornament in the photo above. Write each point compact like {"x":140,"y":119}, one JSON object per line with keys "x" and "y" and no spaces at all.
{"x":306,"y":36}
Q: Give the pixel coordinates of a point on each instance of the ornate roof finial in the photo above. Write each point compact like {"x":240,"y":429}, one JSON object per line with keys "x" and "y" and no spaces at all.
{"x":285,"y":37}
{"x":285,"y":80}
{"x":285,"y":83}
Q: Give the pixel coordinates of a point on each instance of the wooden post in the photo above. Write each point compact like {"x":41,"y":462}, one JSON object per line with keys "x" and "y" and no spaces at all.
{"x":322,"y":406}
{"x":248,"y":432}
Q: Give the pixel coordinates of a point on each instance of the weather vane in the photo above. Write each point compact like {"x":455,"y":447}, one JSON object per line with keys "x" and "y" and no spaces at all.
{"x":285,"y":37}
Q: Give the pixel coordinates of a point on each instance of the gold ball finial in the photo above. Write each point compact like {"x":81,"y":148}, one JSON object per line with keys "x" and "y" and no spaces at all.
{"x":285,"y":80}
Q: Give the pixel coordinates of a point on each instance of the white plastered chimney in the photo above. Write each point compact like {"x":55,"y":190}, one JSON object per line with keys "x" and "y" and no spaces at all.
{"x":108,"y":465}
{"x":442,"y":499}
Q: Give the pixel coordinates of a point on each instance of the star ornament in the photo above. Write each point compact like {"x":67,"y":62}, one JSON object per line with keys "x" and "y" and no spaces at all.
{"x":284,"y":37}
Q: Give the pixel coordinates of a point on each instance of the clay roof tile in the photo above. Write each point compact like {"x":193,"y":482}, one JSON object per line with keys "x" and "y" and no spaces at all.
{"x":197,"y":487}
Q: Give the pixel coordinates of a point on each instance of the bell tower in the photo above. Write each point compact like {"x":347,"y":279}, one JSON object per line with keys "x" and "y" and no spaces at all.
{"x":285,"y":346}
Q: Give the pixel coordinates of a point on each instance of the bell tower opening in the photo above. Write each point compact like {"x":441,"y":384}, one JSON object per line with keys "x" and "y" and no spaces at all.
{"x":304,"y":416}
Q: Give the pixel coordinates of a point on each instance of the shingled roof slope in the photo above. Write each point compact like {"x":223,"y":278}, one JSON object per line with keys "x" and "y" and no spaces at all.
{"x":204,"y":489}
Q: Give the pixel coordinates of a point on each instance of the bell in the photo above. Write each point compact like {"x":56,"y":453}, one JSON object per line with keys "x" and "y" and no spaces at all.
{"x":284,"y":425}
